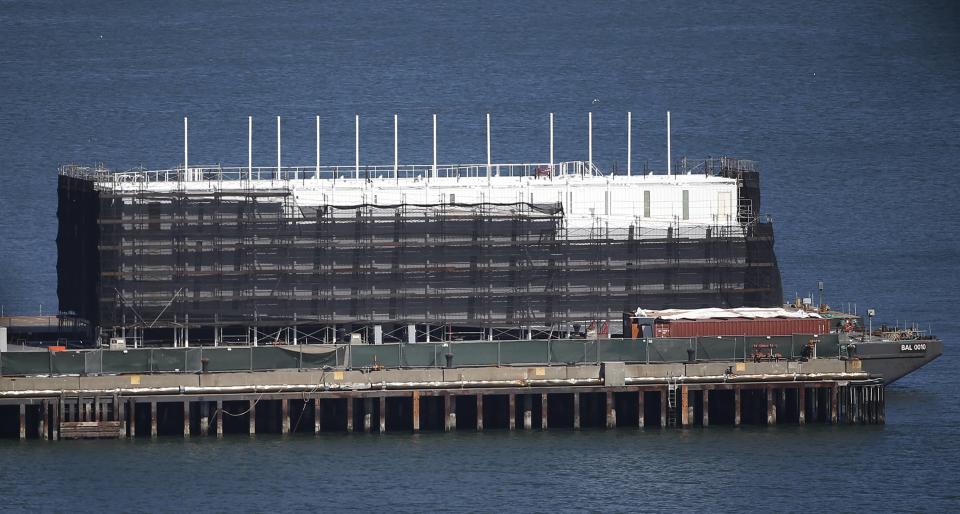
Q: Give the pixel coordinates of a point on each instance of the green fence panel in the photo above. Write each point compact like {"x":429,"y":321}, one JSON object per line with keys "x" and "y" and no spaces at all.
{"x":423,"y":355}
{"x":563,"y":352}
{"x":320,"y":359}
{"x":474,"y":354}
{"x":168,"y":360}
{"x":627,"y":350}
{"x":228,"y":359}
{"x":368,"y":355}
{"x":670,"y":350}
{"x":722,"y":348}
{"x":25,"y":363}
{"x":267,"y":358}
{"x":68,"y":363}
{"x":524,"y":352}
{"x":126,"y":361}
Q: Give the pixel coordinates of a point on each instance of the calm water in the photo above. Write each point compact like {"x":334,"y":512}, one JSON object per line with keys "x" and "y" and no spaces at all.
{"x":853,"y":110}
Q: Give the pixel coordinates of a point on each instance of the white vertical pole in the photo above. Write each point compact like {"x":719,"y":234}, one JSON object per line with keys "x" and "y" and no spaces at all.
{"x":590,"y":140}
{"x":278,"y":147}
{"x":249,"y":147}
{"x":434,"y":170}
{"x":669,"y":156}
{"x":318,"y":149}
{"x":489,"y":162}
{"x":629,"y":141}
{"x":186,"y":153}
{"x":396,"y":150}
{"x":356,"y":150}
{"x":551,"y":142}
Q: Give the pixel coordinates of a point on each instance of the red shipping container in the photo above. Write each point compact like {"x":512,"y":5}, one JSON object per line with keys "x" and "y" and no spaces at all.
{"x":742,"y":327}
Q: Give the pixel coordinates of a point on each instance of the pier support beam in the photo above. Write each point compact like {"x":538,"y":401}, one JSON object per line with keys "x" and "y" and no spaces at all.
{"x":204,"y":418}
{"x":186,"y":418}
{"x":55,"y":412}
{"x":833,"y":404}
{"x":512,"y":423}
{"x":122,"y":417}
{"x":479,"y":412}
{"x":802,"y":405}
{"x":685,"y":407}
{"x":771,"y":407}
{"x":316,"y":415}
{"x":153,"y":420}
{"x":367,"y":414}
{"x":736,"y":406}
{"x":611,"y":412}
{"x":415,"y":397}
{"x":640,"y":408}
{"x":23,"y":421}
{"x":219,"y":418}
{"x":43,"y":420}
{"x":133,"y":418}
{"x":449,"y":412}
{"x":252,"y":418}
{"x":285,"y":415}
{"x":706,"y":407}
{"x":543,"y":412}
{"x":527,"y":412}
{"x":349,"y":414}
{"x":664,"y":394}
{"x":383,"y":414}
{"x":576,"y":411}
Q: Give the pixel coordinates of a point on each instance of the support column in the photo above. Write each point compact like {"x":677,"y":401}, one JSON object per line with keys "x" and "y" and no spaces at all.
{"x":771,"y":407}
{"x":447,"y":413}
{"x":611,"y":412}
{"x":415,"y":397}
{"x":23,"y":421}
{"x":833,"y":404}
{"x":663,"y":407}
{"x":383,"y":414}
{"x":706,"y":407}
{"x":44,"y":419}
{"x":479,"y":412}
{"x":543,"y":412}
{"x":367,"y":414}
{"x":685,"y":414}
{"x":527,"y":412}
{"x":252,"y":418}
{"x":513,"y":412}
{"x":640,"y":408}
{"x":133,"y":418}
{"x":186,"y":419}
{"x":802,"y":405}
{"x":153,"y":419}
{"x":576,"y":411}
{"x":220,"y":418}
{"x":96,"y":408}
{"x":55,"y":424}
{"x":284,"y":416}
{"x":204,"y":418}
{"x":736,"y":406}
{"x":349,"y":414}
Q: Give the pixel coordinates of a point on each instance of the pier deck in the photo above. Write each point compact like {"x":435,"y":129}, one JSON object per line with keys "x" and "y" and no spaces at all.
{"x":609,"y":395}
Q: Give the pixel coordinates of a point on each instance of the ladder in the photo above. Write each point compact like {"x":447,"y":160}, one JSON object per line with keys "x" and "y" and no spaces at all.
{"x":672,"y":401}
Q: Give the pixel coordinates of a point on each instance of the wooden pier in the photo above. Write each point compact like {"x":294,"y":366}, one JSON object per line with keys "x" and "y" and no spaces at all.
{"x":566,"y":397}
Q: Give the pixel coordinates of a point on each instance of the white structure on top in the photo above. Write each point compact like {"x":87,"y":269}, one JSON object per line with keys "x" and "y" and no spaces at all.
{"x":589,"y":197}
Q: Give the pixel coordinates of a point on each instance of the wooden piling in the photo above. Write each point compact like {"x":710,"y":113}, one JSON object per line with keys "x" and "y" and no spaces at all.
{"x":316,"y":415}
{"x":186,"y":419}
{"x":771,"y":407}
{"x":512,"y":414}
{"x":685,"y":407}
{"x":383,"y":414}
{"x":219,"y":418}
{"x":153,"y":419}
{"x":415,"y":399}
{"x":367,"y":414}
{"x":611,"y":411}
{"x":640,"y":408}
{"x":527,"y":412}
{"x":833,"y":403}
{"x":349,"y":414}
{"x":576,"y":411}
{"x":664,"y":394}
{"x":252,"y":418}
{"x":44,"y":419}
{"x":133,"y":418}
{"x":736,"y":406}
{"x":449,"y":413}
{"x":479,"y":412}
{"x":543,"y":412}
{"x":96,"y":408}
{"x":204,"y":418}
{"x":705,"y":419}
{"x":285,"y":415}
{"x":802,"y":405}
{"x":23,"y":421}
{"x":55,"y":424}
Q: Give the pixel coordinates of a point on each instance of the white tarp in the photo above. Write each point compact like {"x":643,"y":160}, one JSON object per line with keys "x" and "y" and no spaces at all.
{"x":715,"y":313}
